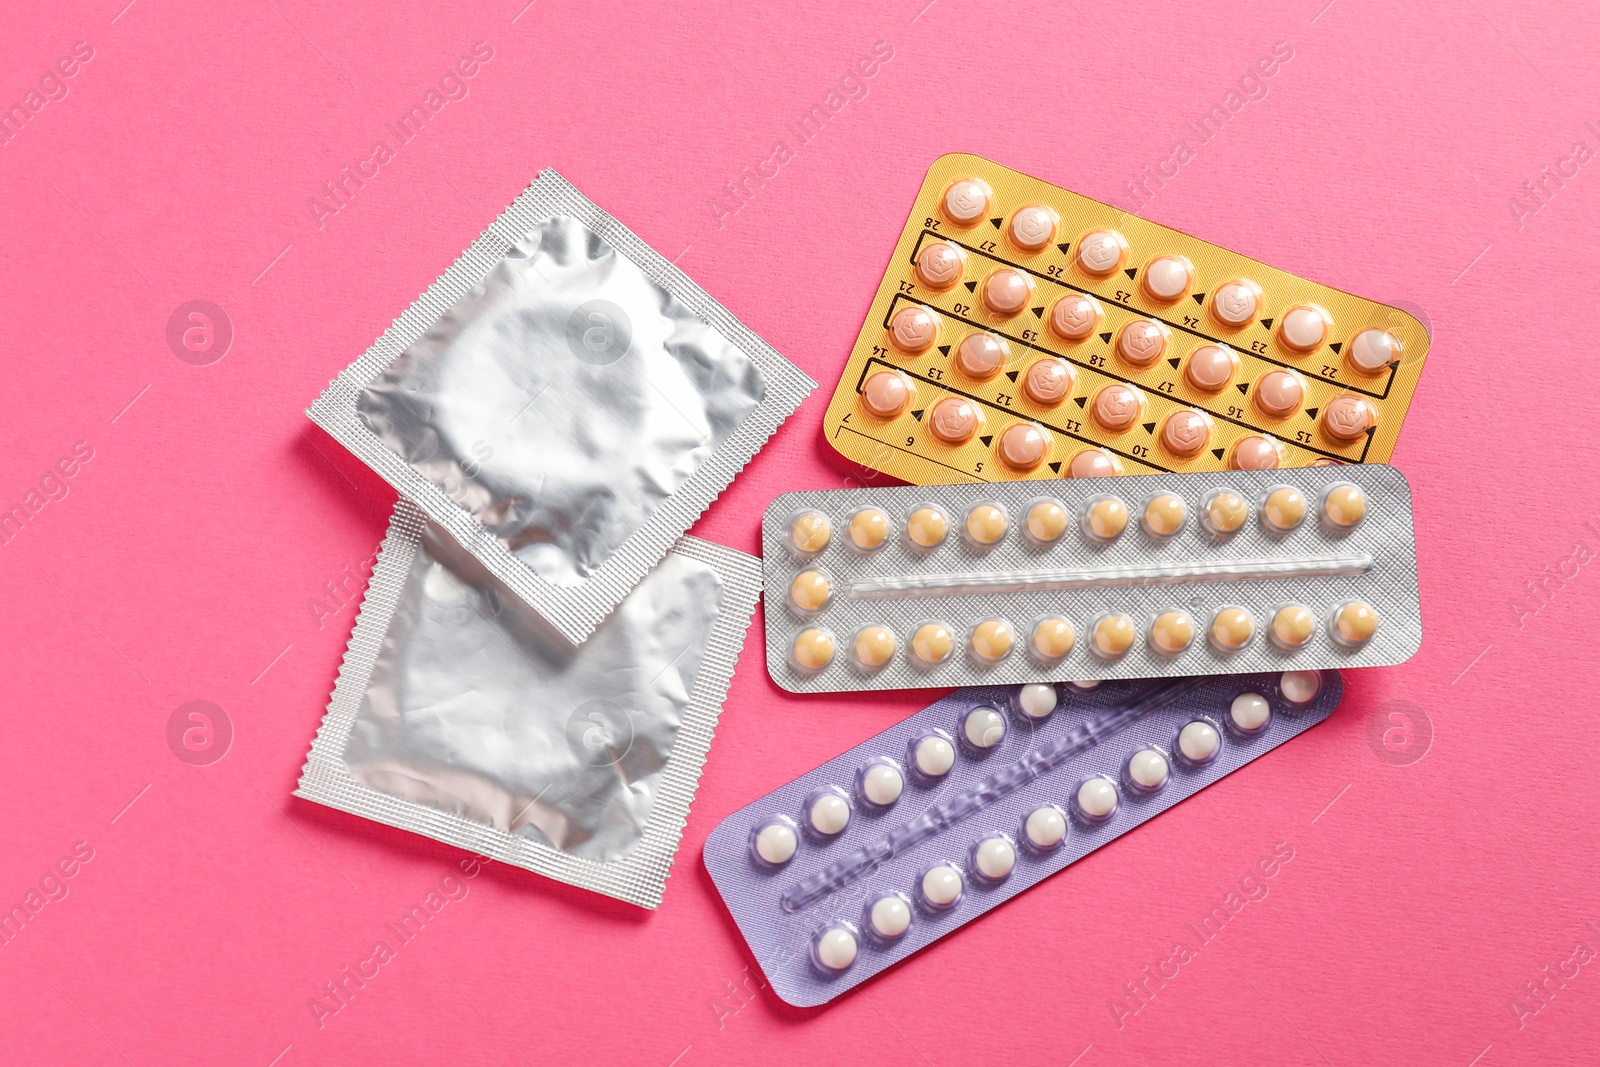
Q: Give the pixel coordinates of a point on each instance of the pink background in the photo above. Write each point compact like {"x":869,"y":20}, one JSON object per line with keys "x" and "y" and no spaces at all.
{"x":185,"y":560}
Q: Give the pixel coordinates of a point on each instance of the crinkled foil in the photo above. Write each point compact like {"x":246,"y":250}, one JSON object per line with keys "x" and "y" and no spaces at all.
{"x":564,"y":402}
{"x":461,"y":714}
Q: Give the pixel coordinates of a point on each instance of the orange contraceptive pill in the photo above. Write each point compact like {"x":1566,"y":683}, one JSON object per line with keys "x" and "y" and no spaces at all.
{"x":1115,"y":343}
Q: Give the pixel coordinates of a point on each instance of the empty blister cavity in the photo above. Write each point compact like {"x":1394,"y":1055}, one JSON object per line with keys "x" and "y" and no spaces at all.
{"x":982,"y":830}
{"x":564,"y":402}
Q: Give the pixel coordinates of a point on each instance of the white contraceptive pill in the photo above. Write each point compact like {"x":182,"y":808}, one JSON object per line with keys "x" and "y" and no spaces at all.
{"x":889,"y":917}
{"x":828,"y":813}
{"x":1096,"y":799}
{"x":882,"y":784}
{"x":994,"y":858}
{"x":933,"y":756}
{"x":1249,"y":713}
{"x":1198,"y":742}
{"x":776,"y":843}
{"x":940,"y":886}
{"x":1148,"y":770}
{"x":1044,"y":828}
{"x":835,"y":948}
{"x":983,"y":728}
{"x":1037,"y":700}
{"x":1300,"y":687}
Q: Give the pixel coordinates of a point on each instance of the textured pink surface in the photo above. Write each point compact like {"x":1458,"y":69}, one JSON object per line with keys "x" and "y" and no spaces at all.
{"x":187,"y":557}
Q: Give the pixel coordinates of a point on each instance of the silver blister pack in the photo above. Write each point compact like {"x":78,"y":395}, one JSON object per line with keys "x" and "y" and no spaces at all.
{"x":564,"y":401}
{"x":1232,"y":572}
{"x":461,"y":714}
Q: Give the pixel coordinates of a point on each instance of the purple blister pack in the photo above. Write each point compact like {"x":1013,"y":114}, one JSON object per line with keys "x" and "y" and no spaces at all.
{"x":890,"y":846}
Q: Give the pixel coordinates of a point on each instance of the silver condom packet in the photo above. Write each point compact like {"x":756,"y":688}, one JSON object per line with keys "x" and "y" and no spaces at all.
{"x":564,"y":401}
{"x":462,"y":715}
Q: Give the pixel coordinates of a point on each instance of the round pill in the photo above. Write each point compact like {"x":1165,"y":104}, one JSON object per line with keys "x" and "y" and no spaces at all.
{"x":1113,"y":636}
{"x":1292,"y":627}
{"x":913,"y":329}
{"x":980,"y":356}
{"x":1142,"y":342}
{"x":933,"y":756}
{"x":1171,"y":633}
{"x":1037,"y":700}
{"x":882,"y":785}
{"x":836,"y":948}
{"x":1234,"y":303}
{"x":885,"y":394}
{"x":1354,"y":623}
{"x":874,"y":646}
{"x":1044,"y":828}
{"x":941,"y":886}
{"x":1344,"y":506}
{"x":1006,"y":291}
{"x":927,"y":527}
{"x":1198,"y":742}
{"x":890,"y":917}
{"x":1115,"y":408}
{"x":1032,"y":227}
{"x":1371,"y":351}
{"x":1101,"y":252}
{"x":1091,"y":463}
{"x":939,"y":265}
{"x":1085,"y":684}
{"x":953,"y":420}
{"x":813,"y":649}
{"x":1106,"y":518}
{"x":809,"y":533}
{"x":991,"y":640}
{"x":1284,"y":509}
{"x":1249,"y":713}
{"x":1166,"y":278}
{"x":1163,"y":515}
{"x":1022,"y":446}
{"x":931,"y":644}
{"x":1148,"y":769}
{"x":869,"y":528}
{"x":1049,"y":381}
{"x":1254,"y":454}
{"x":1210,"y":368}
{"x":1303,"y":327}
{"x":1225,"y":512}
{"x":994,"y":858}
{"x":1052,"y":639}
{"x":986,"y":524}
{"x":1097,"y":798}
{"x":983,"y":728}
{"x":965,"y":201}
{"x":1185,"y":433}
{"x":1074,"y":316}
{"x":1346,"y":417}
{"x":1047,"y":521}
{"x":1300,"y":687}
{"x":810,"y":591}
{"x":776,"y":843}
{"x":1231,"y":629}
{"x":1279,"y":393}
{"x":828,"y":814}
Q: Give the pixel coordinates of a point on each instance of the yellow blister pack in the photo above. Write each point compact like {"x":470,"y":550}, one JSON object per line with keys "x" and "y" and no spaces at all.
{"x":1024,"y":331}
